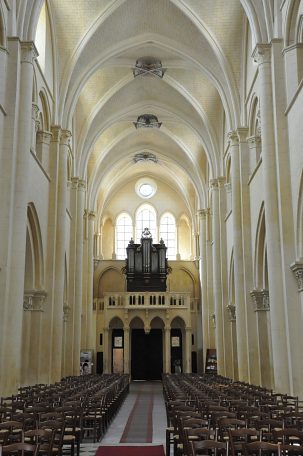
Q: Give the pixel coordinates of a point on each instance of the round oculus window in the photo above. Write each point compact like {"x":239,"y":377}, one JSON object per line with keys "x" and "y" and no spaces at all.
{"x":146,"y":188}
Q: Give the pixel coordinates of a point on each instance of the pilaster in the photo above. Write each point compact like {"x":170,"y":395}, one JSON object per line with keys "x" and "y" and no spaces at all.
{"x":279,"y":319}
{"x":242,"y":349}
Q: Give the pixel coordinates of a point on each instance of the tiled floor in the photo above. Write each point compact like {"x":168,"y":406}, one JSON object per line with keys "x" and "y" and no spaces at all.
{"x":115,"y":430}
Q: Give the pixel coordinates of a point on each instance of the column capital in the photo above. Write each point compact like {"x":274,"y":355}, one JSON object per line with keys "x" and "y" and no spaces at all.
{"x":212,"y":318}
{"x":75,"y":182}
{"x":262,"y":53}
{"x":56,"y":133}
{"x":35,"y":111}
{"x":242,"y":133}
{"x":260,"y":299}
{"x":65,"y":137}
{"x":233,"y":138}
{"x":203,"y":213}
{"x":297,"y":269}
{"x":44,"y":137}
{"x":213,"y":184}
{"x":82,"y":184}
{"x":29,"y":51}
{"x":66,"y":311}
{"x":91,"y":215}
{"x":231,"y":311}
{"x":253,"y":141}
{"x":217,"y":183}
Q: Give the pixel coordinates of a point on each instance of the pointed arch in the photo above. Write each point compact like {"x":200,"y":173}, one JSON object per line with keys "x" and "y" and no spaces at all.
{"x":35,"y":247}
{"x":299,"y":223}
{"x":2,"y":29}
{"x":260,"y":267}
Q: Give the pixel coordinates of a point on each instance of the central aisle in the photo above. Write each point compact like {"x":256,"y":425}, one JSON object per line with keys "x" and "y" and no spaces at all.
{"x":130,"y":423}
{"x":141,"y":419}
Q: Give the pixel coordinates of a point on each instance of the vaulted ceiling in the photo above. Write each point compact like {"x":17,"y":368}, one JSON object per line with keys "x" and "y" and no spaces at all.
{"x":199,"y":43}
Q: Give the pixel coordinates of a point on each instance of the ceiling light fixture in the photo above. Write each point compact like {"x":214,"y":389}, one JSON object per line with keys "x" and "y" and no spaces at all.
{"x":147,"y":121}
{"x":145,"y":156}
{"x":146,"y":66}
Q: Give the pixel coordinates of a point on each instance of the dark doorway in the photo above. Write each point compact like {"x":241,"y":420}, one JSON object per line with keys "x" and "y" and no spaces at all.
{"x":146,"y":355}
{"x":176,"y":351}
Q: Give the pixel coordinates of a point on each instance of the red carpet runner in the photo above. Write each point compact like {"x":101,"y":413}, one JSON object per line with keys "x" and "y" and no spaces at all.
{"x":139,"y":426}
{"x":156,"y":450}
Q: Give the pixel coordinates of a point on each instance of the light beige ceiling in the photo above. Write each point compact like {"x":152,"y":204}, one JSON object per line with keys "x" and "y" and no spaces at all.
{"x":199,"y":42}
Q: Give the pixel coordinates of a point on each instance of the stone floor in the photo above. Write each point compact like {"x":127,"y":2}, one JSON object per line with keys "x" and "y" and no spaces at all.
{"x":116,"y":428}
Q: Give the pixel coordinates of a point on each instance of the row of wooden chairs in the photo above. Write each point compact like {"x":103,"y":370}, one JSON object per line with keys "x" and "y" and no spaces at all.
{"x":76,"y":410}
{"x":214,"y":409}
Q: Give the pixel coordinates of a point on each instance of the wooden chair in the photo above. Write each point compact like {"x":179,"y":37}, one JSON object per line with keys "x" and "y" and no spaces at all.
{"x":43,"y":437}
{"x":238,"y":438}
{"x":261,"y":448}
{"x":196,"y":434}
{"x":15,"y":430}
{"x":20,"y":449}
{"x":210,"y":447}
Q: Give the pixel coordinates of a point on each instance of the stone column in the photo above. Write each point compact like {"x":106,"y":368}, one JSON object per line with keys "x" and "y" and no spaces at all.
{"x":234,"y":361}
{"x":252,"y":338}
{"x":167,"y":351}
{"x":254,"y":145}
{"x":106,"y":345}
{"x":217,"y":278}
{"x":36,"y":336}
{"x":59,"y":270}
{"x":49,"y":316}
{"x":203,"y":283}
{"x":178,"y":256}
{"x":126,"y":350}
{"x":187,"y":361}
{"x":35,"y":124}
{"x":26,"y":335}
{"x":78,"y":275}
{"x":209,"y":266}
{"x":43,"y":148}
{"x":260,"y":300}
{"x":280,"y":340}
{"x":238,"y":258}
{"x":14,"y":184}
{"x":91,"y":330}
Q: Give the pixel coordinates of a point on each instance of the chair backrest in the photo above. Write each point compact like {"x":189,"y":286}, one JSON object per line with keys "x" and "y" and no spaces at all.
{"x":260,"y":448}
{"x":20,"y":449}
{"x":204,"y":446}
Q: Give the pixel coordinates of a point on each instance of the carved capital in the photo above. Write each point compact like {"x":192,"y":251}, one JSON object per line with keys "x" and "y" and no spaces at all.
{"x":44,"y":137}
{"x":297,"y":269}
{"x":242,"y":133}
{"x":75,"y":182}
{"x":56,"y":133}
{"x":28,"y":301}
{"x":91,"y":215}
{"x":231,"y":311}
{"x":260,"y":299}
{"x":233,"y":138}
{"x":35,"y":111}
{"x":212,"y":318}
{"x":213,"y":184}
{"x":82,"y":184}
{"x":65,"y":138}
{"x":262,"y":53}
{"x":227,"y":187}
{"x":254,"y":142}
{"x":66,"y":311}
{"x":39,"y":300}
{"x":33,"y":300}
{"x":28,"y":51}
{"x":203,"y":213}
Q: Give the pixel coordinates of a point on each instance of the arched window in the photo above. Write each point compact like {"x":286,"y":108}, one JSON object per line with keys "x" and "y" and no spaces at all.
{"x":168,"y":234}
{"x":124,"y":232}
{"x":40,"y":38}
{"x":146,"y":218}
